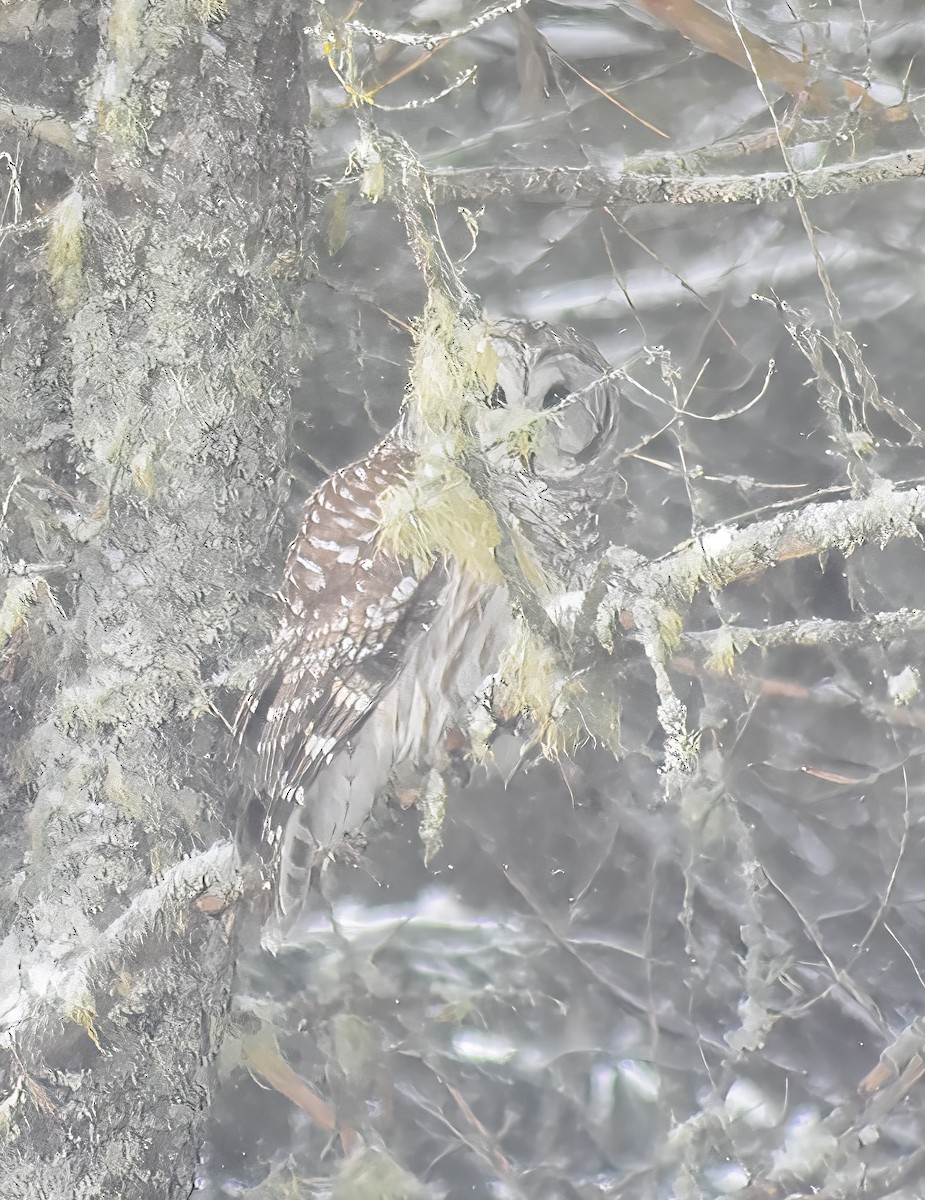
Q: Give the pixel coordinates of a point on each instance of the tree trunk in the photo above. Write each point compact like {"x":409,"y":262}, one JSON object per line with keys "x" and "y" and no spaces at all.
{"x":150,"y":245}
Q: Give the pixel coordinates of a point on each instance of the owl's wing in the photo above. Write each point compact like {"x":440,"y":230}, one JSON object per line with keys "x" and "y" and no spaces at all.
{"x":350,"y":611}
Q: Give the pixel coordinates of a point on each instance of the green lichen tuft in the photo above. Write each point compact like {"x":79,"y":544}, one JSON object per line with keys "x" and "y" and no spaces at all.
{"x":515,"y":427}
{"x":904,"y":687}
{"x":453,"y":362}
{"x":723,"y":653}
{"x":122,"y":121}
{"x":84,"y":1015}
{"x":336,"y":209}
{"x":670,"y":627}
{"x":437,"y":512}
{"x":727,"y":644}
{"x":125,"y":29}
{"x":521,"y":440}
{"x":372,"y":1175}
{"x":210,"y":11}
{"x":19,"y":598}
{"x":528,"y":677}
{"x":64,"y":253}
{"x":530,"y":683}
{"x":10,"y":1103}
{"x":170,"y":23}
{"x":357,"y":1049}
{"x":372,"y":183}
{"x":142,"y":470}
{"x":479,"y":728}
{"x":862,"y":442}
{"x":129,"y":800}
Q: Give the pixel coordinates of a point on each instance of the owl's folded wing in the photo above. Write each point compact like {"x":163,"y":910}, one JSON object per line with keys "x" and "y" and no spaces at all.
{"x":350,"y":612}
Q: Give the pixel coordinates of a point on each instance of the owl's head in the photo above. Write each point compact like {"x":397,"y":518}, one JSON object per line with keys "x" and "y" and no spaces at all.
{"x":554,"y":405}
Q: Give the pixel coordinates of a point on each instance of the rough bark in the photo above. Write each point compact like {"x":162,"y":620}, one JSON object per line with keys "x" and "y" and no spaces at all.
{"x":146,"y":285}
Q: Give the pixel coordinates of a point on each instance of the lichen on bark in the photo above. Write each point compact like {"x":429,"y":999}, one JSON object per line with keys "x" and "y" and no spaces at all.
{"x":146,"y":376}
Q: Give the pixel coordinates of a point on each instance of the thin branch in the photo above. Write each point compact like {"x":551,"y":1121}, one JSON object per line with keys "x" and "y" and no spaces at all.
{"x":746,"y":48}
{"x":430,"y":40}
{"x":215,"y":870}
{"x":629,"y":592}
{"x":838,"y":387}
{"x":721,"y":556}
{"x":844,"y":400}
{"x":589,"y":187}
{"x":877,"y":627}
{"x":604,"y":93}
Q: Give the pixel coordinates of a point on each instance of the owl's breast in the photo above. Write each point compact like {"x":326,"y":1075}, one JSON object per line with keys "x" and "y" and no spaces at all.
{"x":445,"y":669}
{"x":446,"y":664}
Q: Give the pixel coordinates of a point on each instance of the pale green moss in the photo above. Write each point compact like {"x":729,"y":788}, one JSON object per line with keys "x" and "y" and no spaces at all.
{"x":142,"y":469}
{"x":439,"y":513}
{"x":372,"y":182}
{"x":670,"y":627}
{"x":516,"y":427}
{"x":723,"y":653}
{"x":84,"y":1015}
{"x":336,"y":208}
{"x":125,"y":19}
{"x":480,"y":729}
{"x":87,"y":713}
{"x":169,"y":23}
{"x":209,"y":11}
{"x":122,"y":121}
{"x":727,"y":644}
{"x":128,"y":799}
{"x":453,"y":362}
{"x":904,"y":687}
{"x":10,"y":1103}
{"x":371,"y":1175}
{"x":862,"y":442}
{"x":64,"y":252}
{"x":19,"y":597}
{"x":528,"y":678}
{"x":529,"y":683}
{"x":562,"y":736}
{"x":356,"y":1049}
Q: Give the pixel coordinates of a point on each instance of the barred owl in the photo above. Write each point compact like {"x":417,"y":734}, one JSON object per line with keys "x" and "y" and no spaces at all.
{"x":375,"y":660}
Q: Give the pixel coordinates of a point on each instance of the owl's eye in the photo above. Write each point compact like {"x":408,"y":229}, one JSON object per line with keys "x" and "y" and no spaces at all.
{"x":497,"y":399}
{"x":556,"y":394}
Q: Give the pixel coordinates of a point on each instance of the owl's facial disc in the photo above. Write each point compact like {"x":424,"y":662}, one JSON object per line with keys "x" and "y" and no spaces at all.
{"x":553,"y":406}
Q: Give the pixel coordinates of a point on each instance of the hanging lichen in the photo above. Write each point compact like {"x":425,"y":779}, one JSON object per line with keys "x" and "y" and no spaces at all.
{"x":454,"y":362}
{"x":64,"y":252}
{"x":437,"y":512}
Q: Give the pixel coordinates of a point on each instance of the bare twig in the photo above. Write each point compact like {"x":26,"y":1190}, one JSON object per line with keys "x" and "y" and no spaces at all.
{"x":748,"y":50}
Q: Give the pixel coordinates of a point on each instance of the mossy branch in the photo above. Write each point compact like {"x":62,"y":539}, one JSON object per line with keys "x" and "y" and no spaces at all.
{"x":726,"y":643}
{"x":589,"y":187}
{"x":169,"y":903}
{"x":651,"y":597}
{"x":648,"y":597}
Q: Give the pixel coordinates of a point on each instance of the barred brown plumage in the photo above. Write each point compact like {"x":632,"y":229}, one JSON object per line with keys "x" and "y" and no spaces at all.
{"x":374,"y":663}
